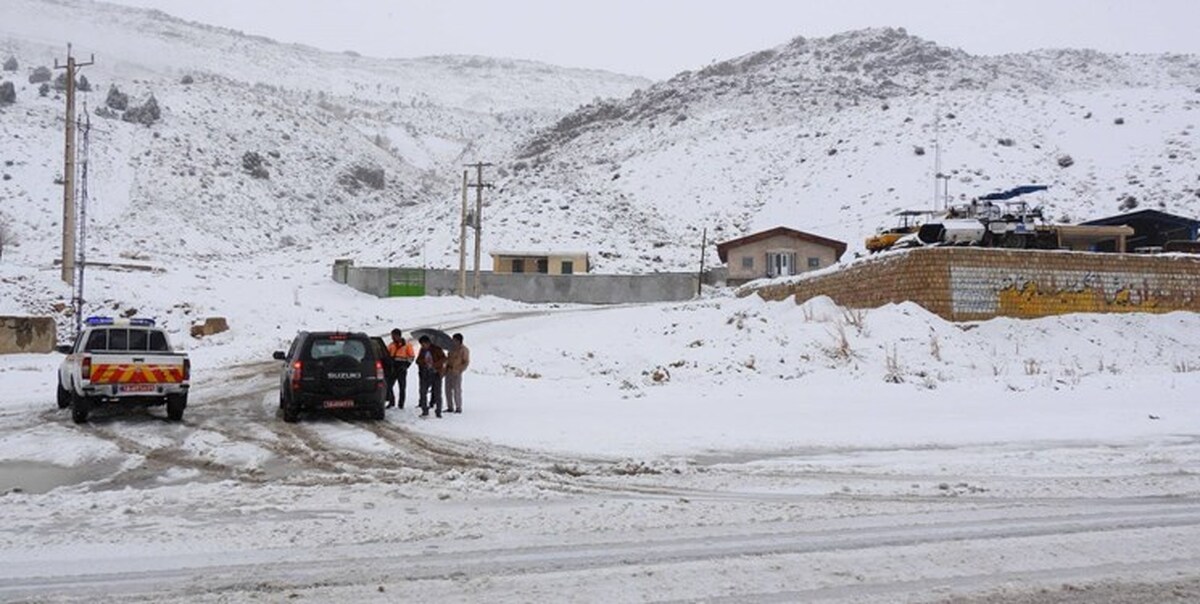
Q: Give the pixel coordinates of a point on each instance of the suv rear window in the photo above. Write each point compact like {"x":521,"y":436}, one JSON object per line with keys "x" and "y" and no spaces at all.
{"x":327,"y":347}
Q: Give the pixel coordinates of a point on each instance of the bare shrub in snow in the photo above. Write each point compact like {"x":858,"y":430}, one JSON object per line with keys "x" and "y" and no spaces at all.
{"x":1119,"y":121}
{"x":83,"y":84}
{"x":8,"y":237}
{"x":855,"y":317}
{"x":41,"y":74}
{"x":1065,"y":161}
{"x":10,"y":64}
{"x":360,"y":176}
{"x":1128,"y":202}
{"x":252,"y":163}
{"x":185,"y":80}
{"x":44,"y":89}
{"x":1006,"y":142}
{"x":918,"y":150}
{"x":894,"y":374}
{"x":840,"y":350}
{"x":935,"y":346}
{"x":8,"y":93}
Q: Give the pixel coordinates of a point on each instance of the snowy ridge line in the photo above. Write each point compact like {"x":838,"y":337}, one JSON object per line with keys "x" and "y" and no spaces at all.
{"x":378,"y":562}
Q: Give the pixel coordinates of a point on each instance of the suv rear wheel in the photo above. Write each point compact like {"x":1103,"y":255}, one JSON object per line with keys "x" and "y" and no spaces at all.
{"x":291,"y":412}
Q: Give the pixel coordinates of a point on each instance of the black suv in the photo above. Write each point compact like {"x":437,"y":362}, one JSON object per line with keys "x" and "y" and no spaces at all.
{"x":327,"y":370}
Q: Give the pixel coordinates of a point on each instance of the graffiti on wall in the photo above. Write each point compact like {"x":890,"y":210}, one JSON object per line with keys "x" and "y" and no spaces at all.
{"x":990,"y":291}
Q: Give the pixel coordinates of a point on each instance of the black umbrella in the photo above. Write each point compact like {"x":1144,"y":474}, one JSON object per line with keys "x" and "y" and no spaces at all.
{"x":439,"y":338}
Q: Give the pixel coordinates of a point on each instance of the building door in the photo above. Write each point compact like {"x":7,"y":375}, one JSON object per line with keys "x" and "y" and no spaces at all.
{"x":781,"y":264}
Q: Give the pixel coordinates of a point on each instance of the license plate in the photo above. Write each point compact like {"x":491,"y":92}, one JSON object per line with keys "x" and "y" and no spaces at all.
{"x":338,"y":404}
{"x":136,"y":388}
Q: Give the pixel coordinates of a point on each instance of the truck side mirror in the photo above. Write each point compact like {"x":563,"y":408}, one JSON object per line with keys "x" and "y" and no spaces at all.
{"x":279,"y":356}
{"x":65,"y":349}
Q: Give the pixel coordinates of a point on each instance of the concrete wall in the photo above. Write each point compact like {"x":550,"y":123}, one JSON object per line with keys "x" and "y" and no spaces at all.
{"x":579,"y":289}
{"x":27,"y":334}
{"x":758,"y":250}
{"x":962,"y":284}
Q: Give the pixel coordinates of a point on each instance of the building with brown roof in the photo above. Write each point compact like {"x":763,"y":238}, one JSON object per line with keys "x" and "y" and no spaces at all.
{"x":777,"y":252}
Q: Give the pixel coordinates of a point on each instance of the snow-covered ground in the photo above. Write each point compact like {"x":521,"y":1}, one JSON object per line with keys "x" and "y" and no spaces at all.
{"x":724,"y":449}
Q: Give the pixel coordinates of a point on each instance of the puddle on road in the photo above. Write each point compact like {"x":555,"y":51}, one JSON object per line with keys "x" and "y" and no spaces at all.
{"x":34,"y":477}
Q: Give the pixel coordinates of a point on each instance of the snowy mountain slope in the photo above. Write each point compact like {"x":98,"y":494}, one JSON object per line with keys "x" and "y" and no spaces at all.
{"x":314,"y":117}
{"x":832,"y":135}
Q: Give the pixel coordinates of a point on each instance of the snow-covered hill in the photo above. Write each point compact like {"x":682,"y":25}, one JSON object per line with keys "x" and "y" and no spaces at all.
{"x":831,"y":135}
{"x":326,"y":125}
{"x":299,"y":155}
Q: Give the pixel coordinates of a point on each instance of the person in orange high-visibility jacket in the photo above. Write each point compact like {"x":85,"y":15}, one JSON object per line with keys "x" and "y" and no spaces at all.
{"x":402,"y":354}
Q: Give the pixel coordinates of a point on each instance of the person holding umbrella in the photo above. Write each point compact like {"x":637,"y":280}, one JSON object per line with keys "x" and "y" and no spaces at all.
{"x":431,"y":363}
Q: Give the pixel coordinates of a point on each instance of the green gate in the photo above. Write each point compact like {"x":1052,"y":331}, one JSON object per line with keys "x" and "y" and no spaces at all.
{"x":406,"y":282}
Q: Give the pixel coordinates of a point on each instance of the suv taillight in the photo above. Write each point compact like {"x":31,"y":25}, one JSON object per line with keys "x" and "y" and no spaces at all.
{"x":379,"y":373}
{"x":85,"y":370}
{"x":187,"y":369}
{"x":297,"y":369}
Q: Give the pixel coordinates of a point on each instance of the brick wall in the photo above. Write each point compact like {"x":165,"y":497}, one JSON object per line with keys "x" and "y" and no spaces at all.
{"x":962,"y":283}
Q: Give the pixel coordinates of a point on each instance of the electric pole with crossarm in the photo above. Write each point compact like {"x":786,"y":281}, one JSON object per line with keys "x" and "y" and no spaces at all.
{"x":68,"y":236}
{"x":479,"y":186}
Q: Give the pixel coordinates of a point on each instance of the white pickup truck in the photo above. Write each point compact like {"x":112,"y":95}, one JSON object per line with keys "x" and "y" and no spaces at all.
{"x":122,"y":361}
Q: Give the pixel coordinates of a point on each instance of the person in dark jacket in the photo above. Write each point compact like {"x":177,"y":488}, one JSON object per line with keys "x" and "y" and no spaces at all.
{"x":431,"y":363}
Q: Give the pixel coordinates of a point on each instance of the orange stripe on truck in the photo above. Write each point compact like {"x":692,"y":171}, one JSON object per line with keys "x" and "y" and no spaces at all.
{"x":136,"y":374}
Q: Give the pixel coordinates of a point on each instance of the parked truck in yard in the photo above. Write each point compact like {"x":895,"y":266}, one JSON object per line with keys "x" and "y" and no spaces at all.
{"x":122,"y":362}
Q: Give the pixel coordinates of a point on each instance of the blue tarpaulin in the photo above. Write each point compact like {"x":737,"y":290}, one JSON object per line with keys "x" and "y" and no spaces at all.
{"x":1011,"y":193}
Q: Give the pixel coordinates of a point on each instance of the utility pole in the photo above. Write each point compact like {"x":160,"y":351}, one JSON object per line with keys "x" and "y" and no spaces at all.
{"x":703,"y":248}
{"x":462,"y":242}
{"x":479,"y":186}
{"x":68,"y":236}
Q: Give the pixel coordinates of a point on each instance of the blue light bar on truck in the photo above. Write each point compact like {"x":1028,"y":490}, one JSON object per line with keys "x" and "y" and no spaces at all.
{"x":96,"y":321}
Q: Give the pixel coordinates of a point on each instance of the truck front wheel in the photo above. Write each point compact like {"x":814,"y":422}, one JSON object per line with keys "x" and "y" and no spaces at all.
{"x":176,"y":403}
{"x":80,"y":407}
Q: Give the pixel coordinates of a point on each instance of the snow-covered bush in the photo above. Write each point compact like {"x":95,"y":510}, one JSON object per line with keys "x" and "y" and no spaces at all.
{"x":41,"y":74}
{"x":187,"y":79}
{"x":10,"y":64}
{"x":146,"y":114}
{"x":1065,"y":161}
{"x":1128,"y":202}
{"x":8,"y":93}
{"x":44,"y":89}
{"x":83,"y":84}
{"x":116,"y":99}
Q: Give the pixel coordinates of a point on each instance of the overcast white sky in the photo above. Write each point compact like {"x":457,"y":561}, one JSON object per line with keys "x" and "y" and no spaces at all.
{"x":658,"y":38}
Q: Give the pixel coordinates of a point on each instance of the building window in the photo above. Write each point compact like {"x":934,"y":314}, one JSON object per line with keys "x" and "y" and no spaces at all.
{"x":814,"y":263}
{"x":543,"y":265}
{"x":568,"y":267}
{"x":747,"y":261}
{"x":518,"y":265}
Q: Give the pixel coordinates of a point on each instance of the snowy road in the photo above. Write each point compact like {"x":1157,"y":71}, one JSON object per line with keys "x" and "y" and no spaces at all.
{"x":429,"y":517}
{"x":1020,"y":488}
